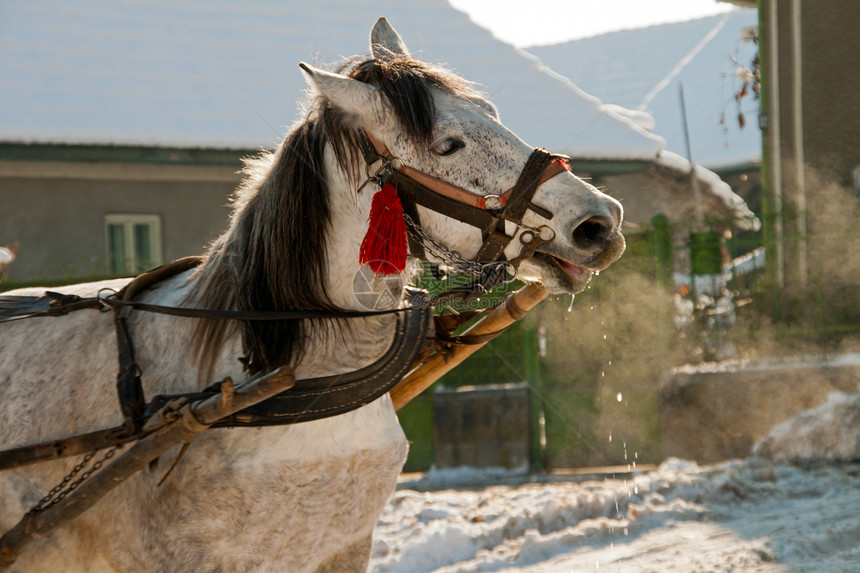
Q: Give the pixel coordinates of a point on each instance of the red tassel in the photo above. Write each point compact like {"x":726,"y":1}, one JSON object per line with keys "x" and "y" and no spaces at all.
{"x":385,"y":245}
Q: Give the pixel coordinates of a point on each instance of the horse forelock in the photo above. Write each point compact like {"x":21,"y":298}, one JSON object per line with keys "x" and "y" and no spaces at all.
{"x":273,"y":254}
{"x":407,"y":85}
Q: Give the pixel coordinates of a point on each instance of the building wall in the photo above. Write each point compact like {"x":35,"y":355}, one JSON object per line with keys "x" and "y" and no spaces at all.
{"x":56,"y":210}
{"x":831,"y":87}
{"x":655,"y":190}
{"x":812,"y":54}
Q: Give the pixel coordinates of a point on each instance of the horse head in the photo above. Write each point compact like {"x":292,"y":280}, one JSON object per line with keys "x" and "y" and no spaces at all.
{"x":434,"y":126}
{"x":469,"y":188}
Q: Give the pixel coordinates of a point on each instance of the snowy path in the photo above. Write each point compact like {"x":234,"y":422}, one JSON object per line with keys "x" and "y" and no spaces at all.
{"x":749,"y":516}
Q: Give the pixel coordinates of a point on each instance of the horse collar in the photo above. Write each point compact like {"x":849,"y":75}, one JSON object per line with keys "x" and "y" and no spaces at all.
{"x":486,"y":212}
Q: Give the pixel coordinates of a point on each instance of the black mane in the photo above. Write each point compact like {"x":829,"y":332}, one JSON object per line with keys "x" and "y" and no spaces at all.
{"x":273,"y":255}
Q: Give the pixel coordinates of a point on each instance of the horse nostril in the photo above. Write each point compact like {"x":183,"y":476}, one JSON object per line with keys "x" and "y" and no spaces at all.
{"x":593,"y":233}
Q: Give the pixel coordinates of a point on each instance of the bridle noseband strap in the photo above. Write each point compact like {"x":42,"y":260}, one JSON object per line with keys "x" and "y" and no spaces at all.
{"x":520,"y":197}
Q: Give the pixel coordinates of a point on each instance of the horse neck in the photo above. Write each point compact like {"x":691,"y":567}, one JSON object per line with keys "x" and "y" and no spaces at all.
{"x":366,"y":338}
{"x":245,"y":265}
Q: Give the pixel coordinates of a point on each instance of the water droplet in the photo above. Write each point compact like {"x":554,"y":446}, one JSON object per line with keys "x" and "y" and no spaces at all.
{"x":604,"y":337}
{"x":635,"y":488}
{"x":610,"y":436}
{"x":572,"y":298}
{"x":619,"y":397}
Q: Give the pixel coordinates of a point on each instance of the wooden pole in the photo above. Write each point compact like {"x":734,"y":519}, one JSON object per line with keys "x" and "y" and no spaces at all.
{"x":179,"y":428}
{"x":514,"y":308}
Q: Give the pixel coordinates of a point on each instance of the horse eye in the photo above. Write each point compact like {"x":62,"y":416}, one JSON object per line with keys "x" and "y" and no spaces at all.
{"x":448,"y":147}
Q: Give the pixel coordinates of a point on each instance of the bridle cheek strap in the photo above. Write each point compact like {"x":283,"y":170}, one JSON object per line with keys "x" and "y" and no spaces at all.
{"x":487,"y":212}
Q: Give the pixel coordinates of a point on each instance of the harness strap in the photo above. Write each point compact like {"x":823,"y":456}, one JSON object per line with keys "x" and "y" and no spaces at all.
{"x":129,"y":388}
{"x":309,"y":399}
{"x":486,"y":212}
{"x":374,"y":150}
{"x":368,"y":148}
{"x":13,"y":307}
{"x":416,"y":247}
{"x":520,"y":199}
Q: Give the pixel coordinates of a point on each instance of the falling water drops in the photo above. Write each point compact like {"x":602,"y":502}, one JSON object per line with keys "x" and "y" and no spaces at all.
{"x":619,"y":397}
{"x":572,"y":298}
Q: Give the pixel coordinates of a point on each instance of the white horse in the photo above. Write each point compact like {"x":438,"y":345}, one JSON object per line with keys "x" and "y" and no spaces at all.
{"x":301,"y":497}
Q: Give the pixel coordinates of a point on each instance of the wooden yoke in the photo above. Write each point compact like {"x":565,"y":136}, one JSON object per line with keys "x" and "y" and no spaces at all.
{"x":514,"y":308}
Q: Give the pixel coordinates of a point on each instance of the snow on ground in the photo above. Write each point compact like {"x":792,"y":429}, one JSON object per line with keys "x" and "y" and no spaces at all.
{"x":749,"y":515}
{"x":753,"y":515}
{"x":829,"y":432}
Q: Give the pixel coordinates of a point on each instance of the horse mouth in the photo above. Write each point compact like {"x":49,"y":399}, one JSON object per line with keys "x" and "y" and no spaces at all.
{"x":570,"y":269}
{"x":562,"y":276}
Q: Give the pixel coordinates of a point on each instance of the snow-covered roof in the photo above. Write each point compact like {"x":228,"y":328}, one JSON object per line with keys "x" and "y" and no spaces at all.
{"x":730,"y":201}
{"x":641,"y":69}
{"x":218,"y":74}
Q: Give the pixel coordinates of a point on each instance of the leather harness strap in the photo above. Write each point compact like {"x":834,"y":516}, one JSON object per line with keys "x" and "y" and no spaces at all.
{"x":486,"y":212}
{"x":309,"y":399}
{"x":128,"y":384}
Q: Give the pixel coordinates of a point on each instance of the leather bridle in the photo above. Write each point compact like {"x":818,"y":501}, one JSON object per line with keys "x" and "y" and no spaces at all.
{"x":486,"y":212}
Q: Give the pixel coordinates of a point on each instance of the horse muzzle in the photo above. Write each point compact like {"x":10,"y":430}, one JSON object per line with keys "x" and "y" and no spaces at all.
{"x":596,"y":241}
{"x":590,"y":244}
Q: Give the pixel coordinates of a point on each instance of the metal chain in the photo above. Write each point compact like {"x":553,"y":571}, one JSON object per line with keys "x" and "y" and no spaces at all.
{"x":58,"y":493}
{"x":450,"y":257}
{"x":485,"y":276}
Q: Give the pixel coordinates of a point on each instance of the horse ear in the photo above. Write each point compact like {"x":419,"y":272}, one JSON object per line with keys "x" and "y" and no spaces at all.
{"x":363,"y":101}
{"x":384,"y":41}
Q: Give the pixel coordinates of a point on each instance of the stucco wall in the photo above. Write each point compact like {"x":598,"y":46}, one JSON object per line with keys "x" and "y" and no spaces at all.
{"x":57,"y":211}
